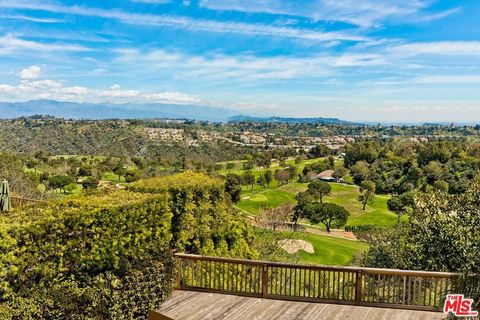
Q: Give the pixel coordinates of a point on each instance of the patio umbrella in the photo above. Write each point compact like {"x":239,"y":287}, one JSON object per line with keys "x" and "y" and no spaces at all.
{"x":5,"y":202}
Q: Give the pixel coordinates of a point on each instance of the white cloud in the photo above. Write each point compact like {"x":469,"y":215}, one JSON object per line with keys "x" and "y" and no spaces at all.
{"x":448,"y":79}
{"x":438,"y":15}
{"x":29,"y":89}
{"x":171,"y":97}
{"x":31,"y":19}
{"x":255,"y":106}
{"x":436,"y":48}
{"x":365,"y":13}
{"x":10,"y":44}
{"x":244,"y":68}
{"x":31,"y":72}
{"x":187,"y":23}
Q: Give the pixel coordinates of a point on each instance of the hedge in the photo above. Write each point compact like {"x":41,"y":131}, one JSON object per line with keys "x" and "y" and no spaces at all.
{"x":81,"y":239}
{"x":108,"y":255}
{"x":204,"y":221}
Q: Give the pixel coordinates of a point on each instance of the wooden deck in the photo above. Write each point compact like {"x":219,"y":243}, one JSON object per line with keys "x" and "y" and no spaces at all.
{"x":193,"y":305}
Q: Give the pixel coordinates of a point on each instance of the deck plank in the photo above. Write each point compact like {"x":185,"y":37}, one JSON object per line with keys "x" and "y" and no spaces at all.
{"x":191,"y":305}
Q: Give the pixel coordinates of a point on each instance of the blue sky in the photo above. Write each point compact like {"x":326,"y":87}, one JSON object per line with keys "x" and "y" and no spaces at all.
{"x":363,"y":60}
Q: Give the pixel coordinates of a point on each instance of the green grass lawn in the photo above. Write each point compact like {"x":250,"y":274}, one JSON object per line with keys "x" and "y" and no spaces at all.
{"x":329,"y":250}
{"x":254,"y":202}
{"x":376,"y":213}
{"x":113,"y":178}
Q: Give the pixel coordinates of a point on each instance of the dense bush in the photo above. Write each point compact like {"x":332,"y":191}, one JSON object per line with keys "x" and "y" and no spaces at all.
{"x":108,"y":255}
{"x":442,"y":234}
{"x":128,"y":293}
{"x":65,"y":255}
{"x":204,"y":221}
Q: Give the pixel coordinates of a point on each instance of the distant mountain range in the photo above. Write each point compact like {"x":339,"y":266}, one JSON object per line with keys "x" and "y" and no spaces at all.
{"x":98,"y":111}
{"x":288,"y":120}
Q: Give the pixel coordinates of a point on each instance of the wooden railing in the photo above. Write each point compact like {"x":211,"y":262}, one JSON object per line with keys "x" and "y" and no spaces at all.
{"x":417,"y":290}
{"x":20,"y":202}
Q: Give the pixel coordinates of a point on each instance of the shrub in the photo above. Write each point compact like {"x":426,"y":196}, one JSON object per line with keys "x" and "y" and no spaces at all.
{"x":107,"y":255}
{"x":204,"y":221}
{"x":128,"y":294}
{"x":81,"y":236}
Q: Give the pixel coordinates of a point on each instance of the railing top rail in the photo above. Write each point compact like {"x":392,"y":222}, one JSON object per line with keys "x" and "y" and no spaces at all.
{"x":319,"y":267}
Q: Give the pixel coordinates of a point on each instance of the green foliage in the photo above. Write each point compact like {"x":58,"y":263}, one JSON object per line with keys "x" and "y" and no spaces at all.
{"x":315,"y":192}
{"x":183,"y":181}
{"x":12,"y":169}
{"x":329,"y":214}
{"x":320,"y":150}
{"x":248,"y":178}
{"x":105,"y":255}
{"x":364,"y":151}
{"x":318,"y":189}
{"x":60,"y":182}
{"x":360,"y":172}
{"x":233,"y":187}
{"x":90,"y":183}
{"x":88,"y":234}
{"x":367,"y":192}
{"x":442,"y":235}
{"x":128,"y":294}
{"x":401,"y":204}
{"x":204,"y":222}
{"x":441,"y":185}
{"x":132,"y":175}
{"x":69,"y":245}
{"x":247,"y":165}
{"x":268,"y":177}
{"x":70,"y":187}
{"x":261,"y":181}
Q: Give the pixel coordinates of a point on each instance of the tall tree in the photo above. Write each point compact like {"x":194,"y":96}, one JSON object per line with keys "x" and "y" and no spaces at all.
{"x":268,"y":177}
{"x":248,"y":178}
{"x":282,"y":176}
{"x":340,"y":173}
{"x":367,"y":192}
{"x":329,"y":214}
{"x":401,"y":204}
{"x":318,"y":189}
{"x":233,"y":186}
{"x":261,"y":181}
{"x":304,"y":199}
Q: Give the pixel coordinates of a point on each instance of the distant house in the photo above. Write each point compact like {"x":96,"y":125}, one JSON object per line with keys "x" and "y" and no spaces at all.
{"x":326,"y":175}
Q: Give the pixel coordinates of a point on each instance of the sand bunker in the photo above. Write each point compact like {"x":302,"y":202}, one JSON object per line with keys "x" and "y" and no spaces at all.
{"x":293,"y":246}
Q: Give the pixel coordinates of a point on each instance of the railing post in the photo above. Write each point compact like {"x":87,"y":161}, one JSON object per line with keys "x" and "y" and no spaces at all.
{"x":178,"y":266}
{"x":264,"y":280}
{"x":358,"y":287}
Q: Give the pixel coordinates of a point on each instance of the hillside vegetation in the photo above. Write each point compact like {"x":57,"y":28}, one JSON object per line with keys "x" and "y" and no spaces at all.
{"x":112,"y":249}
